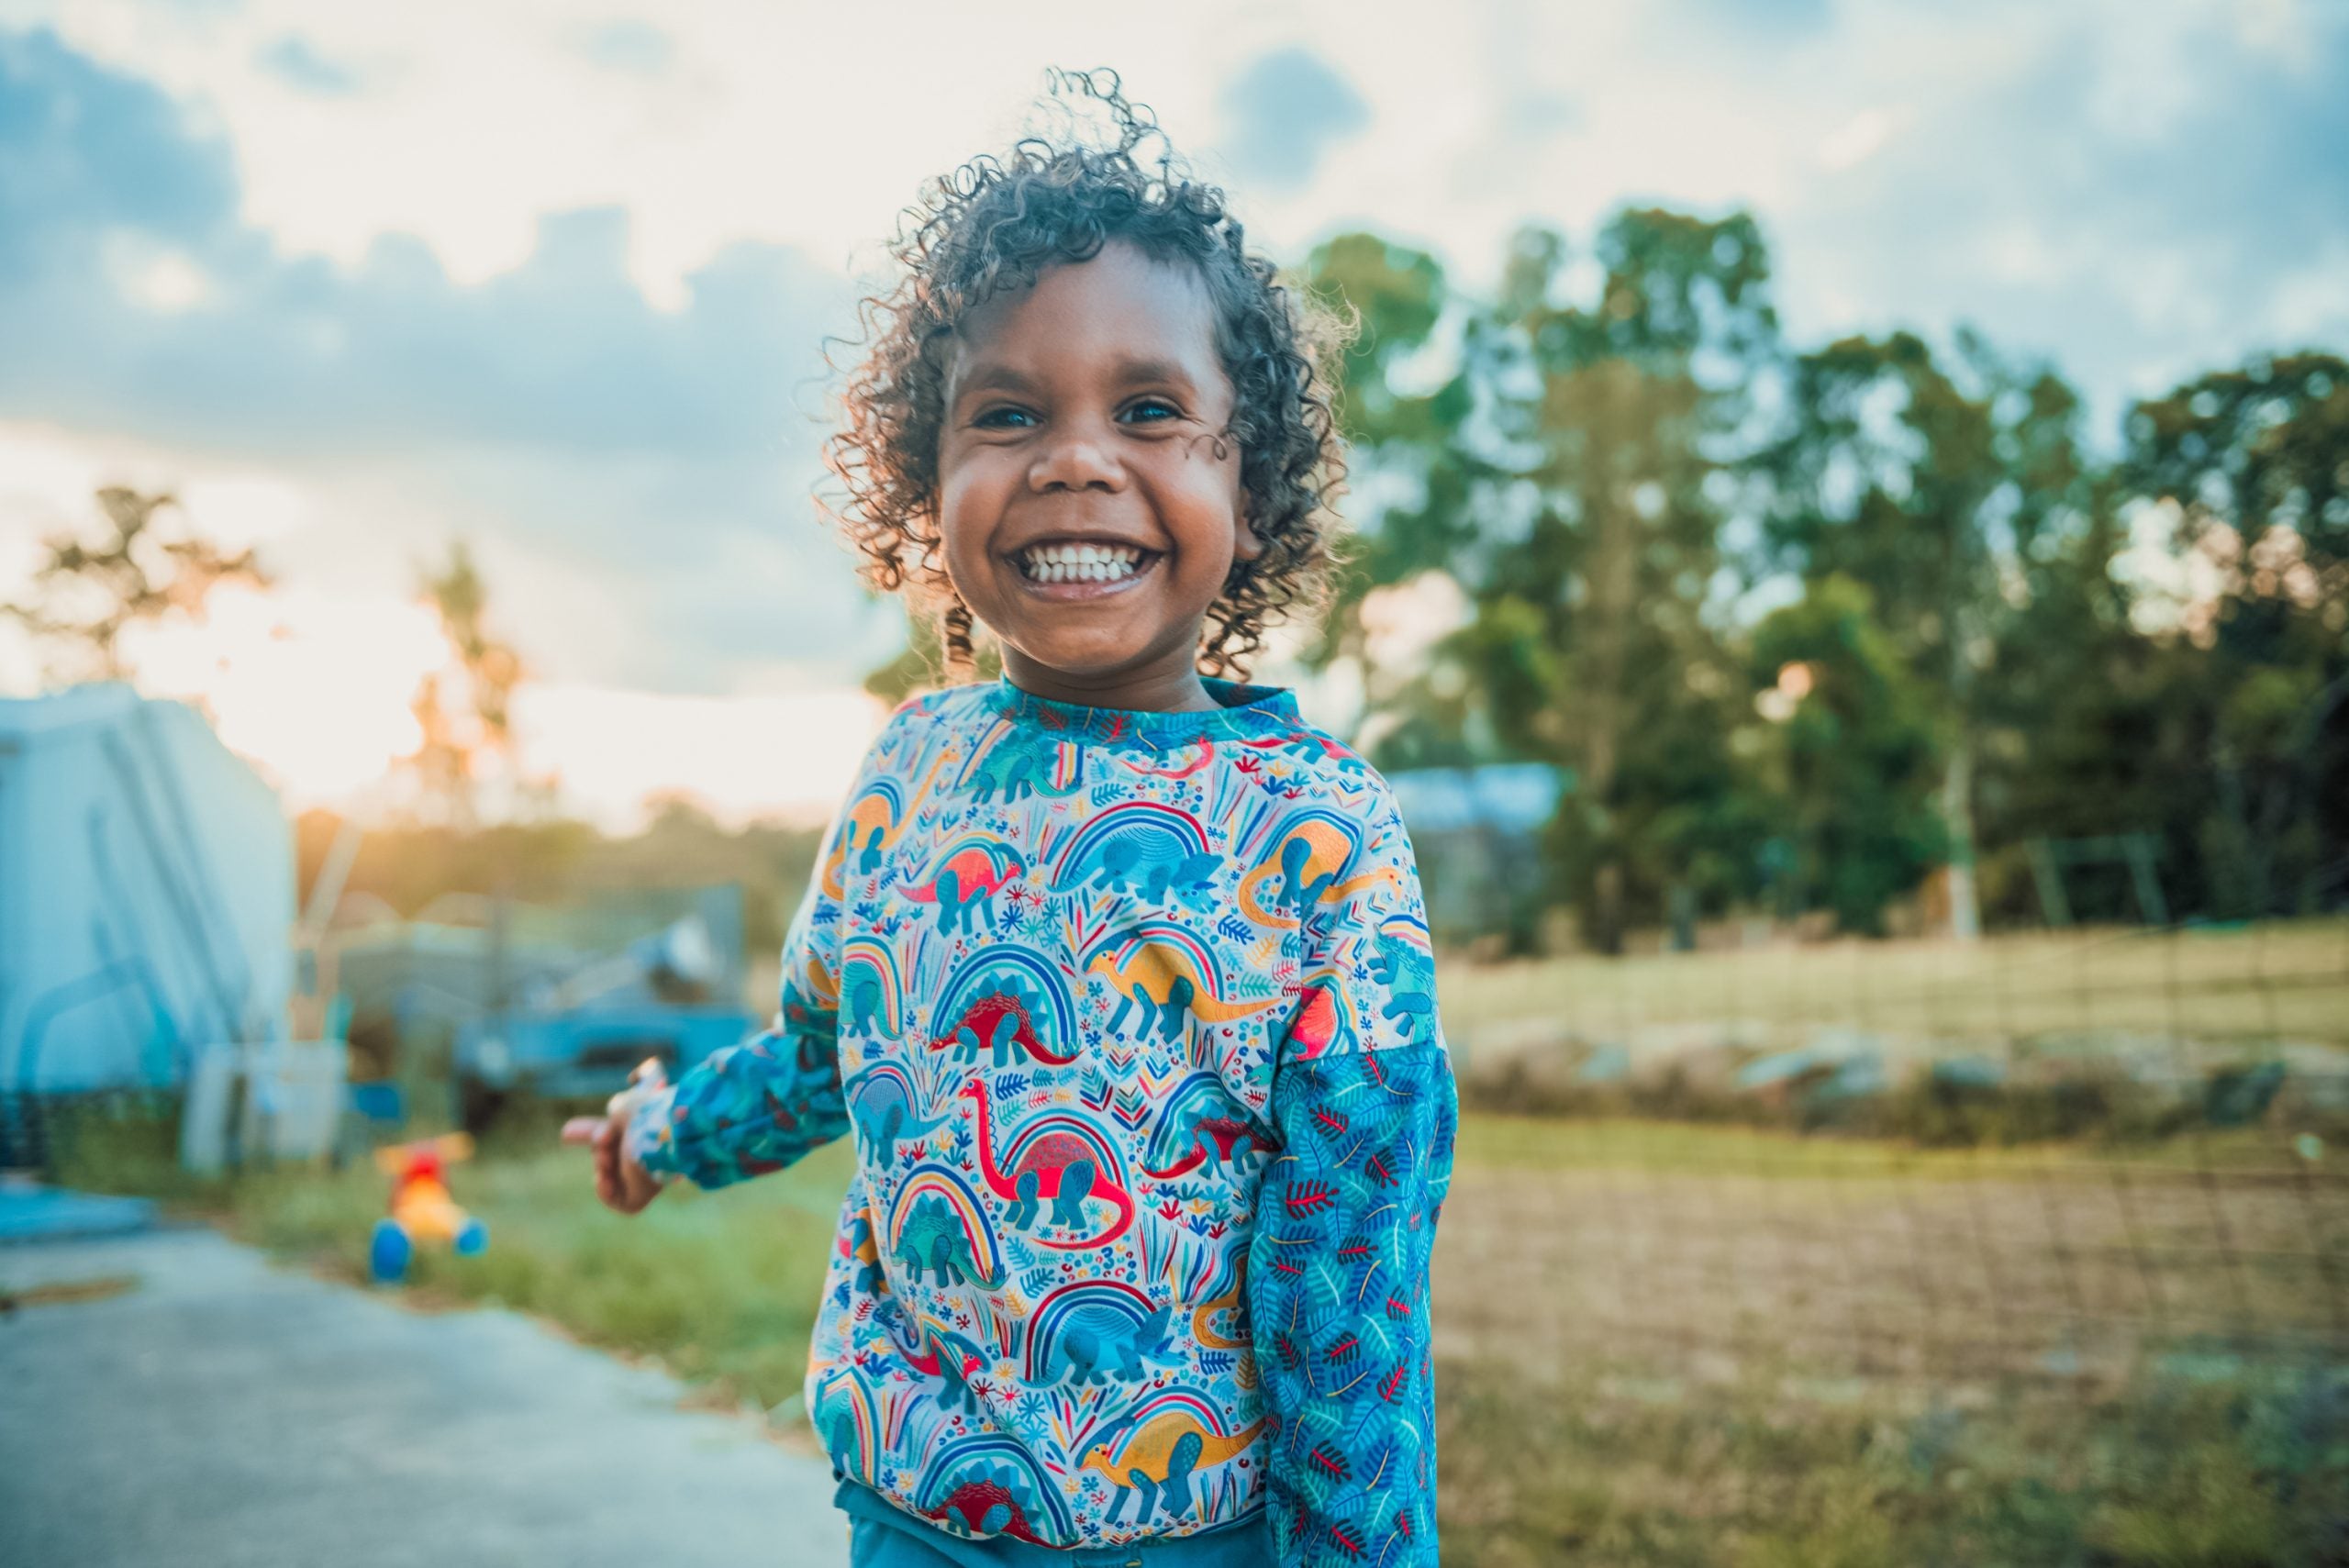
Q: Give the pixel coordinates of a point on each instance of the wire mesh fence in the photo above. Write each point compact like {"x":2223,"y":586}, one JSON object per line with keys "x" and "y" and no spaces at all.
{"x":2053,"y":1156}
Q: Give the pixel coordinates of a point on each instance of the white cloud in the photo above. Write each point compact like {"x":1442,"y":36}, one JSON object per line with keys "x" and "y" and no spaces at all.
{"x":1858,"y":139}
{"x":160,"y":279}
{"x":472,"y":119}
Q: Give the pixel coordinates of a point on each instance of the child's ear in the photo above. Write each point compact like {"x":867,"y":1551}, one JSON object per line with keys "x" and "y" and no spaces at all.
{"x":1245,"y":544}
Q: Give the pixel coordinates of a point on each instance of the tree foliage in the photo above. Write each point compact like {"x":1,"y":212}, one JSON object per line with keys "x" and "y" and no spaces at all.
{"x":465,"y":710}
{"x":2244,"y":476}
{"x":1802,"y":626}
{"x":1567,"y":474}
{"x":87,"y":594}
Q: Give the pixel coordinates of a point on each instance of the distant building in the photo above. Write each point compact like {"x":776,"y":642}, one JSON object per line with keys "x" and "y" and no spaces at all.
{"x":147,"y":893}
{"x":1477,"y":834}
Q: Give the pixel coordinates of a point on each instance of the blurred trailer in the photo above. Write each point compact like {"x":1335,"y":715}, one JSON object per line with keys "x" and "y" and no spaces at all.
{"x":147,"y":894}
{"x":587,"y":1053}
{"x":547,"y":1001}
{"x":672,"y":993}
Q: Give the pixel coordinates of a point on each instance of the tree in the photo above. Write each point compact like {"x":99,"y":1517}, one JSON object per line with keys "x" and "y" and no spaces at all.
{"x":1850,"y":756}
{"x":2246,"y":472}
{"x":465,"y":712}
{"x":1411,"y":458}
{"x":1889,"y":474}
{"x":89,"y":595}
{"x":1644,"y":394}
{"x":1994,"y":636}
{"x":1569,"y":475}
{"x":2078,"y":718}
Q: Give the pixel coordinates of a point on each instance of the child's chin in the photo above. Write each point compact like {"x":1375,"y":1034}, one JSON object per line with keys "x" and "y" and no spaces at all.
{"x":1120,"y":647}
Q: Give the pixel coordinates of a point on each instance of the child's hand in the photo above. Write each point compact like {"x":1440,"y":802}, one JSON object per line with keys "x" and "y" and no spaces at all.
{"x":622,"y":1181}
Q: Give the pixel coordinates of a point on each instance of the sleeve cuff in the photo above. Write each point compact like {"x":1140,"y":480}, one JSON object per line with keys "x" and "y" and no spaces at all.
{"x":647,"y":1138}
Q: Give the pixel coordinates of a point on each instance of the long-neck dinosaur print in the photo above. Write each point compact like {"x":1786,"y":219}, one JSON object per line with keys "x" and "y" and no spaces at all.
{"x":1169,"y":974}
{"x":1161,"y":1447}
{"x":1059,"y":1158}
{"x":964,"y":881}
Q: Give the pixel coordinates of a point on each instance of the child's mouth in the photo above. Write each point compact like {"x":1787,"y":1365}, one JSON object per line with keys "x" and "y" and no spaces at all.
{"x":1093,"y":572}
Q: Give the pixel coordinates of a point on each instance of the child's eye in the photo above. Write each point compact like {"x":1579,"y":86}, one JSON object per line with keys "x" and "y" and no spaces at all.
{"x":1152,"y":411}
{"x":1004,"y":419}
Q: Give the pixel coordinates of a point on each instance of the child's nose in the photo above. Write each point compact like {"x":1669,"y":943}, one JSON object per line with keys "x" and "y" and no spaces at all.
{"x":1078,"y":459}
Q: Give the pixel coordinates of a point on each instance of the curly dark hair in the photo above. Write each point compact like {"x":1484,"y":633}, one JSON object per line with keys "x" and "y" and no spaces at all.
{"x":996,"y":224}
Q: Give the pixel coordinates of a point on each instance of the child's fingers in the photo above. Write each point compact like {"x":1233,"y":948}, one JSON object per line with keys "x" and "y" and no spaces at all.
{"x":604,"y":1149}
{"x":617,"y":1187}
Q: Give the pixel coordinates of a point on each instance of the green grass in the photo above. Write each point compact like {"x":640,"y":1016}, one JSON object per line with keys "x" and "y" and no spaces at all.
{"x":2171,"y":1473}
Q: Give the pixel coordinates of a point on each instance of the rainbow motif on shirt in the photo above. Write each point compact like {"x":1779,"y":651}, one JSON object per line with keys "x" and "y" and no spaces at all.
{"x":1131,"y":1018}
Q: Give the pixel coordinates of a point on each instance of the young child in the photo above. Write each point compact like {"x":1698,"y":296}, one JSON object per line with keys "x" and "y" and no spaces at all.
{"x":1115,"y":969}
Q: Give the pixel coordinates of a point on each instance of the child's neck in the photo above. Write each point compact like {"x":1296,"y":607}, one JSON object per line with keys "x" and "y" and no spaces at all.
{"x":1171,"y":687}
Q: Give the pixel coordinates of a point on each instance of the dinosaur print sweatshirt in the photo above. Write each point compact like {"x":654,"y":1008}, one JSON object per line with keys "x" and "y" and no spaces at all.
{"x":1131,"y":1017}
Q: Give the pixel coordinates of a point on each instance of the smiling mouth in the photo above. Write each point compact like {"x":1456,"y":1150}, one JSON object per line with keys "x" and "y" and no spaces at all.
{"x":1082,"y":572}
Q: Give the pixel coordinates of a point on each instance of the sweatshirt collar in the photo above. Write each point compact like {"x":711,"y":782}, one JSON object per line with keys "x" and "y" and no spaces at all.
{"x":1246,"y":710}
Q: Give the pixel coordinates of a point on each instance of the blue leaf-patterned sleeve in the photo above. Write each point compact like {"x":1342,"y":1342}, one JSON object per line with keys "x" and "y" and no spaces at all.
{"x":757,"y":1107}
{"x":1365,"y":1105}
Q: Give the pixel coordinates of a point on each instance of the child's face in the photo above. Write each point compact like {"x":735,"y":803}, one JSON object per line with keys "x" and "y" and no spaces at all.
{"x":1086,"y":410}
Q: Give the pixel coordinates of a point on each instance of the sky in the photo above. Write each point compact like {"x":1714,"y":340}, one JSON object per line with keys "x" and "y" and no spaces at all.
{"x":556,"y":278}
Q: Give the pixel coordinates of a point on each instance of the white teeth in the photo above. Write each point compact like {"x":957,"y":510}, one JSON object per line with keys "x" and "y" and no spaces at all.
{"x":1079,"y":562}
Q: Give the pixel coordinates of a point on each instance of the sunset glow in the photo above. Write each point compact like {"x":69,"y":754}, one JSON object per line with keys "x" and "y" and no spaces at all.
{"x":312,"y":687}
{"x":315,"y":690}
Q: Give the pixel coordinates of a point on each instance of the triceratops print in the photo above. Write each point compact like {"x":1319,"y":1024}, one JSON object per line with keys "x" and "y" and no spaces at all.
{"x":1402,"y":960}
{"x":1019,"y":763}
{"x":1139,"y":848}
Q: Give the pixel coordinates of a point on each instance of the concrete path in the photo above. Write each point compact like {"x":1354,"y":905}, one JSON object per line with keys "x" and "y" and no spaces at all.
{"x":224,"y":1411}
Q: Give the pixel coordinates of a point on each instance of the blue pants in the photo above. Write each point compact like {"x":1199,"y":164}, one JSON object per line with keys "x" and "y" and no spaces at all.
{"x":882,"y":1535}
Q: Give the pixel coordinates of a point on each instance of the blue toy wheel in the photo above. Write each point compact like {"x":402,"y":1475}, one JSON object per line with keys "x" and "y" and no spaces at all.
{"x":472,"y":1239}
{"x":388,"y":1251}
